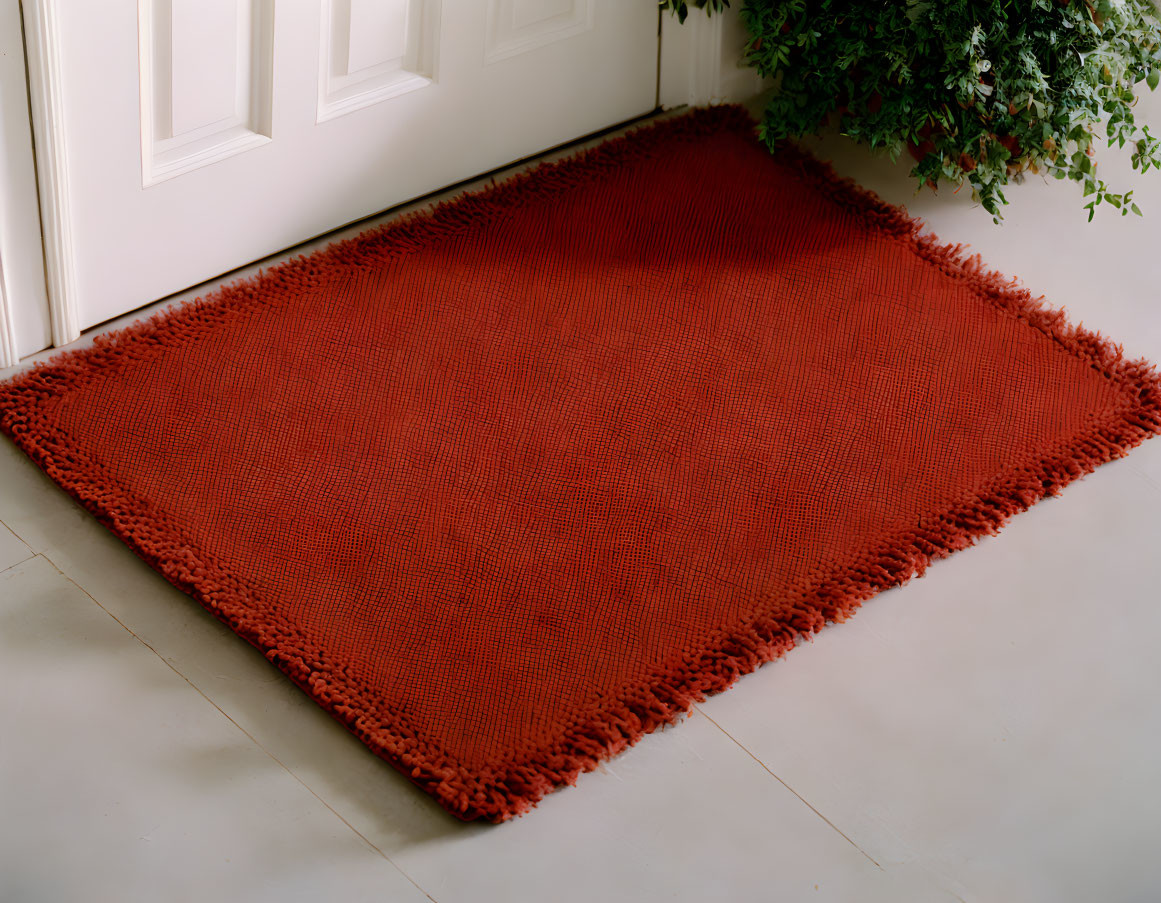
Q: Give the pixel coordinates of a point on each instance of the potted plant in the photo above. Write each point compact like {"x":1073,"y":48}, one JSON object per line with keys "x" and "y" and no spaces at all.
{"x":980,"y":92}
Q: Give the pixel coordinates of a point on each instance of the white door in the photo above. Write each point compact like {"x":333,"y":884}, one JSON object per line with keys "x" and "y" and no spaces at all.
{"x":193,"y":136}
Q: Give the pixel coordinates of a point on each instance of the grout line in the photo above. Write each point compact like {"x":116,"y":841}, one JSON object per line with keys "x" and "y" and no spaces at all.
{"x":27,"y":558}
{"x":31,"y":554}
{"x":17,"y":564}
{"x":788,"y":787}
{"x":251,"y":737}
{"x":20,"y":539}
{"x":32,"y":549}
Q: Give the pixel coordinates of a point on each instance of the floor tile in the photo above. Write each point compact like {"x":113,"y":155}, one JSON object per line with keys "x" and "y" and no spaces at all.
{"x":685,"y":815}
{"x":12,"y":549}
{"x":997,"y":719}
{"x":118,"y":781}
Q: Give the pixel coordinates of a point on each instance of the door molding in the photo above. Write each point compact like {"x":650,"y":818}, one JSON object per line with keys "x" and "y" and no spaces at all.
{"x":700,"y":60}
{"x":42,"y":38}
{"x":8,"y":353}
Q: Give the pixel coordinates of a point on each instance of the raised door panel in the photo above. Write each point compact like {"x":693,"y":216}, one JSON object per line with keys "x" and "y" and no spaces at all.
{"x":372,"y":50}
{"x":518,"y":26}
{"x":206,"y":82}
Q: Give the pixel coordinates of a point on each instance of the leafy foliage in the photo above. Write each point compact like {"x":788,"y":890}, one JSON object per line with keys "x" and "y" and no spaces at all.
{"x":979,"y":91}
{"x":681,"y":7}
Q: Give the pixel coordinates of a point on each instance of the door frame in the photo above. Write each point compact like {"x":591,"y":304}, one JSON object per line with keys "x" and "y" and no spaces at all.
{"x":24,"y":315}
{"x":697,"y":64}
{"x":8,"y":353}
{"x":42,"y":46}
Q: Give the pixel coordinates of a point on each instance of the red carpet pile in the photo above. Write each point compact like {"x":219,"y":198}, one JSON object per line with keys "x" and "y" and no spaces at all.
{"x":507,"y":484}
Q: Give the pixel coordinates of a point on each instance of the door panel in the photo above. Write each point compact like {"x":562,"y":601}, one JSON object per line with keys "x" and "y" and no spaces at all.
{"x":515,"y":26}
{"x":372,"y":50}
{"x":203,"y":134}
{"x":206,"y":72}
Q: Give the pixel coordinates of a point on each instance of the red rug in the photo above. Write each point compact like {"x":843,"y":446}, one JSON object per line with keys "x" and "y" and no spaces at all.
{"x":505,"y":485}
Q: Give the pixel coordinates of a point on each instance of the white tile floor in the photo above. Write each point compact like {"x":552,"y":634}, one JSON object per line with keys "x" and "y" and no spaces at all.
{"x":990,"y":732}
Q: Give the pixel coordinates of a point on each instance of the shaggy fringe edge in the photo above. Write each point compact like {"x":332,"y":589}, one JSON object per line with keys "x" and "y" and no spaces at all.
{"x":502,"y":790}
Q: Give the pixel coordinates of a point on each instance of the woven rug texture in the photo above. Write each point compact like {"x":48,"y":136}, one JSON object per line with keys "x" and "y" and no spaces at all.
{"x":508,"y":483}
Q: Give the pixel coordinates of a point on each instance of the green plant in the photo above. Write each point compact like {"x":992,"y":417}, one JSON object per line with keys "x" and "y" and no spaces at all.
{"x":979,"y":91}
